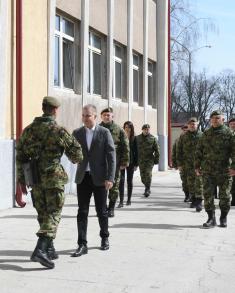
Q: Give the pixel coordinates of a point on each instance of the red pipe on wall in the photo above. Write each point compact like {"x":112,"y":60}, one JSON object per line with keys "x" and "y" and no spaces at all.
{"x":169,"y":83}
{"x":18,"y":197}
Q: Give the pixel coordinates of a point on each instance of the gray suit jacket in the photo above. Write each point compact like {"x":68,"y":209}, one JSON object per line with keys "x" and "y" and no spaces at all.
{"x":101,"y":156}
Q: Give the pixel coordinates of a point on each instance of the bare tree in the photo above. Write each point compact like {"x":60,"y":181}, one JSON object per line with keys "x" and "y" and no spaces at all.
{"x":226,"y":93}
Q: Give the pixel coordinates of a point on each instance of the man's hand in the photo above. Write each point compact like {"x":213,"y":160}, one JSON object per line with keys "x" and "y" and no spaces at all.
{"x":23,"y":188}
{"x":231,"y":172}
{"x":108,"y":184}
{"x":198,"y":172}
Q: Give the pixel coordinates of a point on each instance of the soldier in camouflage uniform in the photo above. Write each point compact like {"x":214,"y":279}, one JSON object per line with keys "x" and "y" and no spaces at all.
{"x":186,"y":148}
{"x":174,"y":165}
{"x":44,"y":142}
{"x":215,"y":155}
{"x":232,"y":127}
{"x":148,"y":156}
{"x":122,"y":154}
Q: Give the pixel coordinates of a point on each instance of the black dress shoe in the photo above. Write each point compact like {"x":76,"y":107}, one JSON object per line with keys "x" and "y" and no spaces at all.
{"x":104,"y":244}
{"x":82,"y":249}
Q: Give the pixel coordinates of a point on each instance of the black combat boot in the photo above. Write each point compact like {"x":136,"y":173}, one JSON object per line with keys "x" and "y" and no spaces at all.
{"x":233,"y":200}
{"x":223,"y":219}
{"x":128,"y":203}
{"x":40,"y":253}
{"x":111,"y":209}
{"x":198,"y":205}
{"x":211,"y":222}
{"x":51,"y":252}
{"x":147,"y":191}
{"x":187,"y":197}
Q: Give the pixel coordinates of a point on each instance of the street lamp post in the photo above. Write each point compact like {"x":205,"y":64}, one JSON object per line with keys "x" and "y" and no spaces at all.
{"x":189,"y":52}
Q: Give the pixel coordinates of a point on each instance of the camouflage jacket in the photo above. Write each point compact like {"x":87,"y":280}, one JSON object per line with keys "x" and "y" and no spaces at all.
{"x":215,"y":151}
{"x":148,"y":149}
{"x":44,"y":140}
{"x":186,"y":148}
{"x":121,"y":143}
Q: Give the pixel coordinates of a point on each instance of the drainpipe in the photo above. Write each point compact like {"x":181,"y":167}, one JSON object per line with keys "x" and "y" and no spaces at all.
{"x":18,"y":196}
{"x":169,"y":83}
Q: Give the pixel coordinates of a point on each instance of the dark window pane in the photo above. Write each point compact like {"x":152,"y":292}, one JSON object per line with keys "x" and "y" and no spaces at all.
{"x":150,"y":67}
{"x":118,"y":52}
{"x":57,"y":62}
{"x":68,"y":64}
{"x":89,"y":75}
{"x":150,"y":90}
{"x":135,"y":60}
{"x":135,"y":86}
{"x":57,"y":22}
{"x":96,"y":74}
{"x":96,"y":41}
{"x":118,"y":80}
{"x":68,"y":27}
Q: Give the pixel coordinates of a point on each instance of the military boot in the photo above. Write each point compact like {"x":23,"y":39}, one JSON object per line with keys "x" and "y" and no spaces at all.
{"x":193,"y":203}
{"x":187,"y":197}
{"x":40,"y":253}
{"x":211,"y":222}
{"x":223,"y":219}
{"x":51,"y":252}
{"x":147,"y":191}
{"x":111,"y":209}
{"x":198,"y":205}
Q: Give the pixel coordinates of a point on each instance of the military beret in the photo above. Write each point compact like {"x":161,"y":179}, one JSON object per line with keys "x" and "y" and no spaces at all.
{"x":51,"y":101}
{"x":192,"y":119}
{"x":109,"y":109}
{"x":145,"y":126}
{"x":231,"y":119}
{"x":216,"y":112}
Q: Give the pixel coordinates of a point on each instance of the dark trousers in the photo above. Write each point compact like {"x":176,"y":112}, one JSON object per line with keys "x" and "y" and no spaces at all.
{"x":84,"y":193}
{"x":130,"y":172}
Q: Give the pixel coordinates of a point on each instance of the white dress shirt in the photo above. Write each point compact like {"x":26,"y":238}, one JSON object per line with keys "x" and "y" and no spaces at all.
{"x":89,"y":137}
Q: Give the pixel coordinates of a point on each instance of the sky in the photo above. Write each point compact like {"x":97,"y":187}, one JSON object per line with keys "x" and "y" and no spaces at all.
{"x":221,"y":55}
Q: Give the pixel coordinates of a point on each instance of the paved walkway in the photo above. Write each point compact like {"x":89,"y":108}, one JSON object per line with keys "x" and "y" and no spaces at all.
{"x":157,"y":245}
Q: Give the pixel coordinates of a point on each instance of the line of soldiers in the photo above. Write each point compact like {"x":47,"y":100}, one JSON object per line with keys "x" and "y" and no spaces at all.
{"x":207,"y":161}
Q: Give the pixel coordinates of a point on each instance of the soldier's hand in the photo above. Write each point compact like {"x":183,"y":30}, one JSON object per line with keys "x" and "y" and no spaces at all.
{"x":23,"y":189}
{"x":231,"y":172}
{"x":198,"y":172}
{"x":108,"y":184}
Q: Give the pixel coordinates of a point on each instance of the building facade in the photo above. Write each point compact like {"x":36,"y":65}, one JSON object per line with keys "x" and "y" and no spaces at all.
{"x":104,"y":52}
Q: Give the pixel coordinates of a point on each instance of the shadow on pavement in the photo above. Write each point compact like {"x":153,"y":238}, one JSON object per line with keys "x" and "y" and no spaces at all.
{"x":7,"y":267}
{"x":153,"y":226}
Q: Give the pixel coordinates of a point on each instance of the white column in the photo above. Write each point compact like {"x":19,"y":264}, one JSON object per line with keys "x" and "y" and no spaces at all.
{"x":145,"y":60}
{"x":51,"y":45}
{"x":162,"y":81}
{"x":84,"y":46}
{"x":130,"y":56}
{"x":110,"y":62}
{"x":3,"y":63}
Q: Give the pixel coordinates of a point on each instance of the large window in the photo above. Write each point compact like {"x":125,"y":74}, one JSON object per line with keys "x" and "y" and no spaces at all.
{"x":117,"y":73}
{"x":94,"y":64}
{"x":136,"y":78}
{"x":150,"y":83}
{"x":64,"y":53}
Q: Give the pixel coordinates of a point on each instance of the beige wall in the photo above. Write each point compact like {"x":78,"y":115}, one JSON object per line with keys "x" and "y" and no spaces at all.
{"x":34,"y":57}
{"x":71,"y":7}
{"x":152,"y":31}
{"x":120,"y":21}
{"x":138,"y":25}
{"x":175,"y":133}
{"x":98,"y":15}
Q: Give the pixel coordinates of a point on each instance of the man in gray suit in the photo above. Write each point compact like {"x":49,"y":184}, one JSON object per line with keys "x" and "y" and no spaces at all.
{"x":95,"y":174}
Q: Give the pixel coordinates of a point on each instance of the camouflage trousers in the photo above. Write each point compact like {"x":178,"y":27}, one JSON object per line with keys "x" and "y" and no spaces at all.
{"x":224,"y":183}
{"x":194,"y":184}
{"x":146,"y":174}
{"x":183,"y":178}
{"x":48,"y":204}
{"x":233,"y":190}
{"x":114,"y":191}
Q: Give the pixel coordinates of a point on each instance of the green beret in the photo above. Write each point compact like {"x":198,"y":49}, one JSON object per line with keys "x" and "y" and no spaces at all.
{"x":106,"y":110}
{"x":231,"y":119}
{"x":216,"y":112}
{"x":145,"y":126}
{"x":51,"y":101}
{"x":192,"y":119}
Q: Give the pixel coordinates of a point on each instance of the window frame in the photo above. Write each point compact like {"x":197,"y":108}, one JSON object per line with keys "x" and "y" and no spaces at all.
{"x":119,"y":60}
{"x":136,"y":68}
{"x":150,"y":74}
